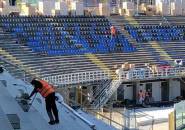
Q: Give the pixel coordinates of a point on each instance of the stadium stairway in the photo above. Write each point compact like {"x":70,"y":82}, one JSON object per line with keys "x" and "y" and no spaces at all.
{"x":36,"y":118}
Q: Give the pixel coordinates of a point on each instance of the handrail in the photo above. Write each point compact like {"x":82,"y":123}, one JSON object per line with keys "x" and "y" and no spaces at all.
{"x":125,"y":76}
{"x":108,"y":119}
{"x":91,"y":125}
{"x":74,"y":78}
{"x":86,"y":109}
{"x":100,"y":89}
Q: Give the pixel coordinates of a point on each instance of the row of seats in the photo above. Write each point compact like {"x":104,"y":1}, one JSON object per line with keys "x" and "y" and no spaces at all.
{"x":156,"y":33}
{"x":76,"y":37}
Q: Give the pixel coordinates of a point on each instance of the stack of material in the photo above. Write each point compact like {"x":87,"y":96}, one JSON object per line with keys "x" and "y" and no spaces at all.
{"x":150,"y":10}
{"x":125,"y":66}
{"x":131,"y":66}
{"x":115,"y":67}
{"x":153,"y":68}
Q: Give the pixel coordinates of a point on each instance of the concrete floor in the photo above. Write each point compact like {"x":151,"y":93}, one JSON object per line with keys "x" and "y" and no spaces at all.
{"x":157,"y":126}
{"x":160,"y":126}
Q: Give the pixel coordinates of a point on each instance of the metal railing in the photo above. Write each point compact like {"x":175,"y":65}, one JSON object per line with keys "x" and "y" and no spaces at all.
{"x":146,"y":74}
{"x":131,"y":119}
{"x":105,"y":95}
{"x":124,"y":76}
{"x":107,"y":119}
{"x":81,"y":77}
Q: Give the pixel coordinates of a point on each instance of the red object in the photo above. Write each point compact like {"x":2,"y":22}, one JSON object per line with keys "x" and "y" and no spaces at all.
{"x":113,"y":30}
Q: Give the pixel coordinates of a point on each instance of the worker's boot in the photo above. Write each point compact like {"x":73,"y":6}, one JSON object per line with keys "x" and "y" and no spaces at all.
{"x":51,"y":122}
{"x":57,"y":121}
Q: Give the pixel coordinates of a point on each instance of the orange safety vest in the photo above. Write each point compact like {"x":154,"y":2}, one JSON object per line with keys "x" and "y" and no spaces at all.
{"x":113,"y":30}
{"x":46,"y":89}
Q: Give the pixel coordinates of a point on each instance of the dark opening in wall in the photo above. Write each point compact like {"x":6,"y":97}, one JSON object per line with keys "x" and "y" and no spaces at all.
{"x":12,"y":2}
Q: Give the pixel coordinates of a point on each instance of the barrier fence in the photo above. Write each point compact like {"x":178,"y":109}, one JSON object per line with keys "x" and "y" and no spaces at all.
{"x":179,"y":115}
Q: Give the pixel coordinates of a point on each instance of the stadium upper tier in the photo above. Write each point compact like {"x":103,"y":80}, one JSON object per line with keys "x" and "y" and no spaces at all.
{"x":66,"y":35}
{"x":23,"y":39}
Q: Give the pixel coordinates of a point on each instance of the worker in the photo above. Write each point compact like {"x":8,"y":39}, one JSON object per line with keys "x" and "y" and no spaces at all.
{"x":146,"y":100}
{"x":113,"y":31}
{"x":47,"y":91}
{"x":141,"y":96}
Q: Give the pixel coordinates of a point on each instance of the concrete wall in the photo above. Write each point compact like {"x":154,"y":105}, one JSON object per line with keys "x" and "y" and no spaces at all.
{"x":63,"y":8}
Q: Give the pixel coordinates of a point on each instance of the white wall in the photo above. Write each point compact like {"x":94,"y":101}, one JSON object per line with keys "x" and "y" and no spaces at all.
{"x":174,"y":89}
{"x":156,"y":91}
{"x":178,"y":7}
{"x":79,"y":8}
{"x":63,"y":8}
{"x":128,"y":5}
{"x":46,"y":6}
{"x":128,"y":92}
{"x":104,"y":9}
{"x":183,"y":7}
{"x":163,"y":7}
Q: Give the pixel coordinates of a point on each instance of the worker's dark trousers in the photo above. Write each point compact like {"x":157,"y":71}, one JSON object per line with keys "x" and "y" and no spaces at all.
{"x":51,"y":107}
